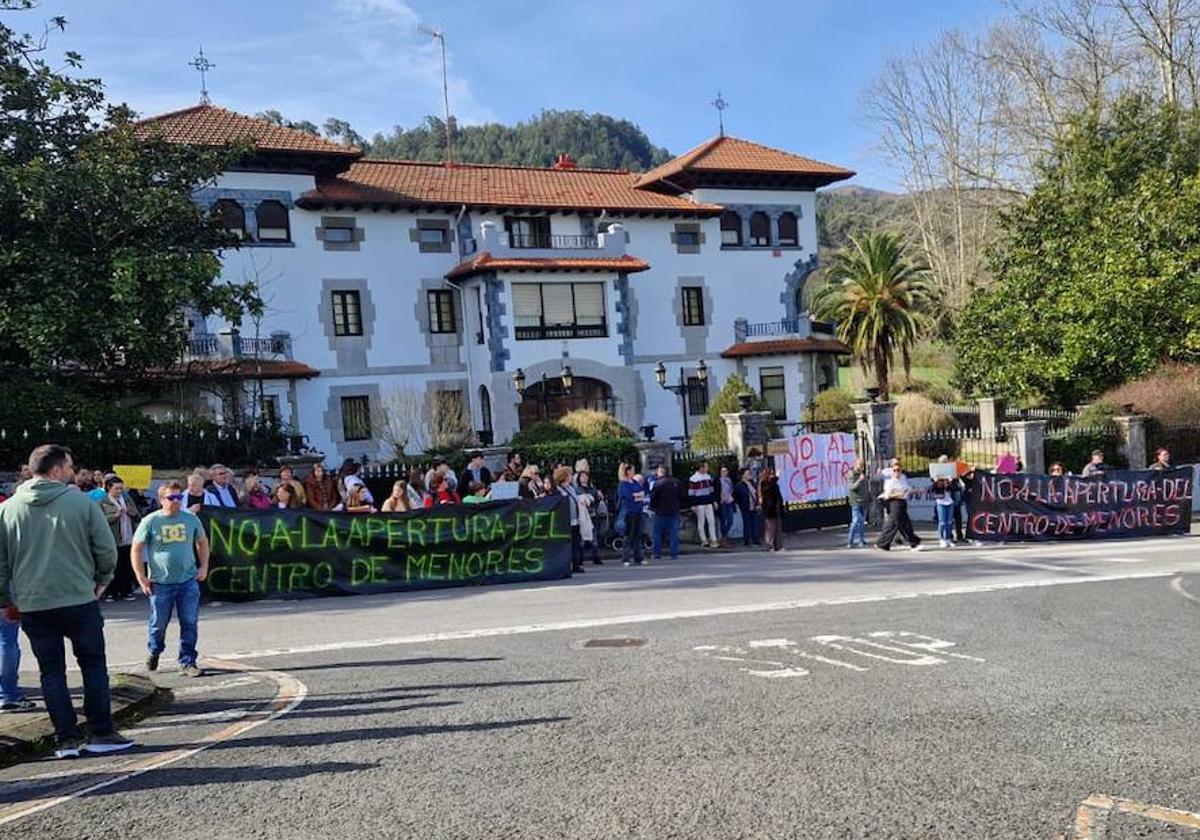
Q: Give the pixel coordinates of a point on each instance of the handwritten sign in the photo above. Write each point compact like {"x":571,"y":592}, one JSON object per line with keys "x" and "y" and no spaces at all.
{"x":814,"y":467}
{"x":302,"y":553}
{"x":1028,"y":508}
{"x":135,"y":476}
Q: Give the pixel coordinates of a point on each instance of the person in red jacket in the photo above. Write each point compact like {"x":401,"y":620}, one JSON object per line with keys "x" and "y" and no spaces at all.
{"x":439,"y":492}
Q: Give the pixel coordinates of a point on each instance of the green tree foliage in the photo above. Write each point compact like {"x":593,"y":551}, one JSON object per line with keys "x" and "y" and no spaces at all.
{"x":101,"y":245}
{"x":550,"y":431}
{"x":593,"y":423}
{"x":1096,"y":274}
{"x":850,"y":212}
{"x":710,"y":434}
{"x":880,"y":299}
{"x":593,"y":140}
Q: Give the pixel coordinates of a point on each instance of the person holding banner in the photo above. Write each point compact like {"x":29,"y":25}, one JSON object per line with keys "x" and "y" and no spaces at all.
{"x":896,"y":490}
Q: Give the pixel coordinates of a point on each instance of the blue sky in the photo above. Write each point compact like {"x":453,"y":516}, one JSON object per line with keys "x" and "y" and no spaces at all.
{"x":792,"y":72}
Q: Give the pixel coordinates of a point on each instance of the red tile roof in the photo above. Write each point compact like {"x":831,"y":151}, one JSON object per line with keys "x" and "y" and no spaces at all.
{"x":410,"y":183}
{"x":486,"y":262}
{"x":784,"y":347}
{"x":729,"y":154}
{"x":209,"y":125}
{"x":246,"y":369}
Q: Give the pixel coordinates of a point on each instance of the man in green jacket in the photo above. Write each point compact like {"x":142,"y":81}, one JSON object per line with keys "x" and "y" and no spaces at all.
{"x":57,"y":555}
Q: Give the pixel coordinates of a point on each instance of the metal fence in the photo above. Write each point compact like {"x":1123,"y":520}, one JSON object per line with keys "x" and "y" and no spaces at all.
{"x":969,"y":445}
{"x":1073,"y":447}
{"x":1182,"y":441}
{"x":165,"y":445}
{"x":1055,"y":418}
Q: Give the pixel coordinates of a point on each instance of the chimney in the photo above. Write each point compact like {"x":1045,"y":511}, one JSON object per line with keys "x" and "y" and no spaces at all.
{"x":565,"y":161}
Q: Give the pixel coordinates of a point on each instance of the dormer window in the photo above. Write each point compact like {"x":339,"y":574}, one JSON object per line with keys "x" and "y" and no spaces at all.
{"x":273,"y":222}
{"x":760,"y":228}
{"x":731,"y":228}
{"x":788,"y":231}
{"x":230,"y":216}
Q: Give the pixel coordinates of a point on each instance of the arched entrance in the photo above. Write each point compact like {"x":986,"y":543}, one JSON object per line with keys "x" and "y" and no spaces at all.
{"x":552,"y":403}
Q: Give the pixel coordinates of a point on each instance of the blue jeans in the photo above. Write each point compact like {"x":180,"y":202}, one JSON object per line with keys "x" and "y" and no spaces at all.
{"x":945,"y":522}
{"x":725,"y":513}
{"x":84,"y":626}
{"x":184,"y":597}
{"x":667,"y":526}
{"x":858,"y":526}
{"x":751,"y":526}
{"x":10,"y":661}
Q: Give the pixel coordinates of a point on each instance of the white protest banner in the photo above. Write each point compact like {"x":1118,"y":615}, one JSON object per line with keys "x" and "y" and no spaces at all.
{"x":814,"y":467}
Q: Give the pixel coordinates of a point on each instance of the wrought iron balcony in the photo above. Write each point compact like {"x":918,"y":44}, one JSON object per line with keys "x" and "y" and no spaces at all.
{"x":562,"y":331}
{"x":803,"y":326}
{"x":231,"y":345}
{"x":553,"y":241}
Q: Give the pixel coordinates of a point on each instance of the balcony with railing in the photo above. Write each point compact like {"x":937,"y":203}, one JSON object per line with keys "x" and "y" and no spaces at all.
{"x":504,"y":245}
{"x":229,"y":344}
{"x":800,"y":327}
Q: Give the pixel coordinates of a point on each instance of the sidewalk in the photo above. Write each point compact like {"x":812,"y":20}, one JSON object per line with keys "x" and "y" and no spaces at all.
{"x":24,"y":734}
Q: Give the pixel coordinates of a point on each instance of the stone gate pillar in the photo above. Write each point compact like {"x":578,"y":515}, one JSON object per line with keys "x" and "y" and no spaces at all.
{"x":876,"y":427}
{"x":746,"y":431}
{"x":1133,"y":440}
{"x":1028,"y":440}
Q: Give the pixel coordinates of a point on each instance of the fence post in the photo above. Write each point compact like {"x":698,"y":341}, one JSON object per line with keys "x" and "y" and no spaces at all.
{"x":991,"y":416}
{"x":876,"y":424}
{"x":1133,"y":439}
{"x":1028,"y":439}
{"x":653,"y":454}
{"x":747,"y":430}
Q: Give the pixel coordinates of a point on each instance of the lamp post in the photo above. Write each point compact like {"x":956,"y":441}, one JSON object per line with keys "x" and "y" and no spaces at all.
{"x":565,"y":376}
{"x":660,"y":373}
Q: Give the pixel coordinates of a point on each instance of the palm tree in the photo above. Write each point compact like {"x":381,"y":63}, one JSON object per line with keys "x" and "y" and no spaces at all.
{"x":880,"y":299}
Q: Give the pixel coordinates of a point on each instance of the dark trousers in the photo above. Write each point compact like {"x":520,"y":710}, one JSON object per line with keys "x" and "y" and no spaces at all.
{"x":898,"y":521}
{"x":576,"y":549}
{"x":749,"y":526}
{"x":123,"y":582}
{"x":633,"y":538}
{"x":958,"y":522}
{"x":84,"y":626}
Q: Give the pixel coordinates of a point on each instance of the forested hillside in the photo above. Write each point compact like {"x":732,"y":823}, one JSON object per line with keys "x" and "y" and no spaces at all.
{"x":594,"y":140}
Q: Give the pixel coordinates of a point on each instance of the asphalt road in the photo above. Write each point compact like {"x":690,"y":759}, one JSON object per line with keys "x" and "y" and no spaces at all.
{"x":984,"y":694}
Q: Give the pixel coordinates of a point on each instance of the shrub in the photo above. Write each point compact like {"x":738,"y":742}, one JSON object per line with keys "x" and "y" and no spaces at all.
{"x":546,"y":432}
{"x":923,"y":428}
{"x":592,"y":423}
{"x":935,"y":391}
{"x":1171,"y":395}
{"x":710,"y":432}
{"x":833,"y":404}
{"x":1098,"y":415}
{"x":1073,"y":447}
{"x":603,"y":455}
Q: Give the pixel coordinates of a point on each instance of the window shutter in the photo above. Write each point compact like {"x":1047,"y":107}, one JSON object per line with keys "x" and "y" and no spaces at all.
{"x":527,"y":304}
{"x":589,"y":304}
{"x":559,"y":308}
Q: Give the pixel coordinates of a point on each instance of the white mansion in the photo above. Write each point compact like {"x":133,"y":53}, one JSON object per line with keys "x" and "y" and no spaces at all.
{"x":386,"y":276}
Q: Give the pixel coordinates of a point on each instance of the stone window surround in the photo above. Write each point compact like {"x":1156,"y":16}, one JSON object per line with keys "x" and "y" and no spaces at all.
{"x":249,"y":200}
{"x":334,"y":422}
{"x":687,"y":227}
{"x":773,"y":211}
{"x":695,"y":336}
{"x":351,"y":350}
{"x":357,"y":236}
{"x":443,"y":247}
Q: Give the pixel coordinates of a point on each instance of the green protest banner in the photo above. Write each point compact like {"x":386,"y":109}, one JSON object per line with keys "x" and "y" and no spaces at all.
{"x":302,"y":554}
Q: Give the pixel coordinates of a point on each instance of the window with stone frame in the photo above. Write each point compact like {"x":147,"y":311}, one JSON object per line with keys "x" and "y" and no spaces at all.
{"x":731,"y":228}
{"x":231,"y":216}
{"x":760,"y":228}
{"x":559,"y":310}
{"x":772,"y":388}
{"x":693,"y":305}
{"x":528,"y":231}
{"x":432,"y":236}
{"x":479,"y":314}
{"x":356,"y":418}
{"x":347,"y":313}
{"x":339,"y":231}
{"x":272,"y":219}
{"x":441,"y":311}
{"x":789,"y":231}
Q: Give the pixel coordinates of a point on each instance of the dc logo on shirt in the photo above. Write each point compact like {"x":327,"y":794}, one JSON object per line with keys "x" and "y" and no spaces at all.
{"x":173,"y":533}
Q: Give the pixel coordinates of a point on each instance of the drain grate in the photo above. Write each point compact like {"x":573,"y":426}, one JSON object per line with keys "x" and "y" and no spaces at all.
{"x":616,"y":642}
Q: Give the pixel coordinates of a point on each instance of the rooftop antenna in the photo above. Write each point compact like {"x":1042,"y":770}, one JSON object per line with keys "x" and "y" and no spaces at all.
{"x":720,"y":104}
{"x":203,"y":65}
{"x":440,"y":36}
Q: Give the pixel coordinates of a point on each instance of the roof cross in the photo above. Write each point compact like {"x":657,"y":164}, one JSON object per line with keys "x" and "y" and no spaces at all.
{"x":203,"y":65}
{"x":720,"y":104}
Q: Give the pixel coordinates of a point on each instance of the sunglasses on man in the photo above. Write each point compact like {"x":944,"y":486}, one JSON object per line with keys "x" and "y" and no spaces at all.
{"x":174,"y":497}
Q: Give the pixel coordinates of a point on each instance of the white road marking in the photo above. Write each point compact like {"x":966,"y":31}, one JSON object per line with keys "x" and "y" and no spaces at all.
{"x":207,"y":687}
{"x":1092,"y":817}
{"x":291,"y":693}
{"x":1177,"y":585}
{"x":1031,"y":564}
{"x":642,"y":618}
{"x":851,"y":644}
{"x":929,"y":643}
{"x":792,"y":648}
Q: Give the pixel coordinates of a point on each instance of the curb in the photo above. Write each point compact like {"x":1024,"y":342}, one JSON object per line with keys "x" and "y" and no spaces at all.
{"x":28,"y":735}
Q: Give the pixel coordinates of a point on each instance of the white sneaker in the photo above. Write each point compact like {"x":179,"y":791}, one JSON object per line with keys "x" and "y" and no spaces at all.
{"x":916,"y":548}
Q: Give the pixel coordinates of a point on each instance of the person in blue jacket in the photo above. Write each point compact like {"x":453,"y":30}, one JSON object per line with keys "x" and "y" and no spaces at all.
{"x":631,"y":494}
